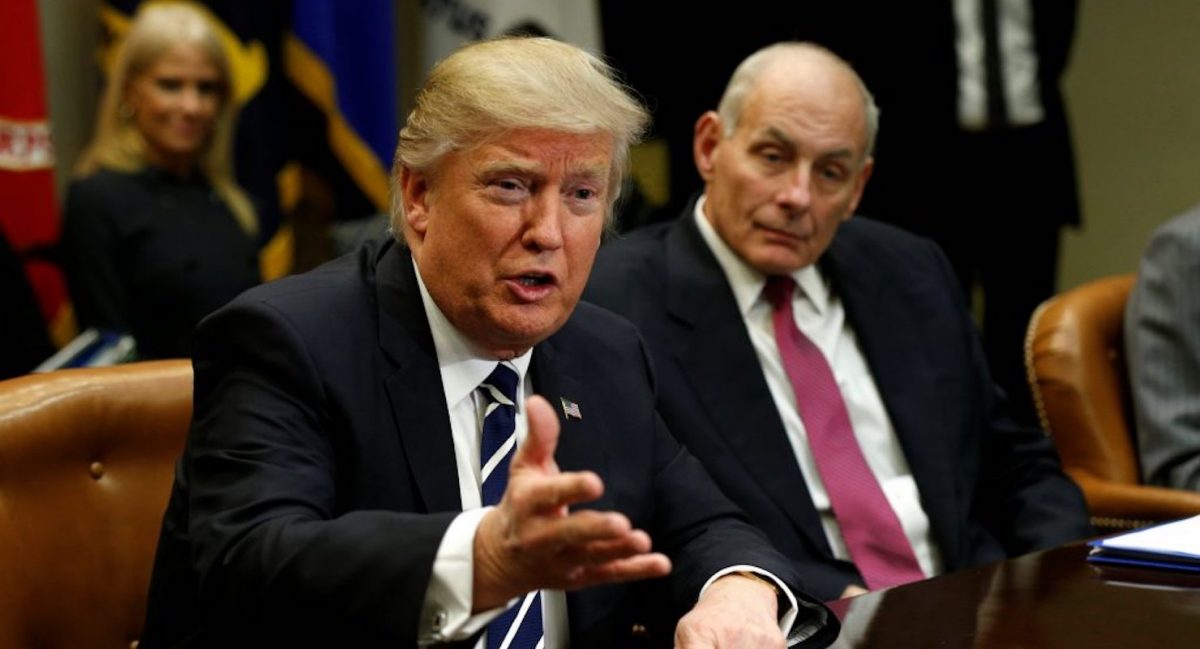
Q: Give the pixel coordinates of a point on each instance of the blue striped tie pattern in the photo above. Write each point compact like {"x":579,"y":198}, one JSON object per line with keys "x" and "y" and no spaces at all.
{"x":519,"y":627}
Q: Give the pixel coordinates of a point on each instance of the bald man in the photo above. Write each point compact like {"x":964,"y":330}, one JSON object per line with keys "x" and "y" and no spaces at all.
{"x":825,"y":369}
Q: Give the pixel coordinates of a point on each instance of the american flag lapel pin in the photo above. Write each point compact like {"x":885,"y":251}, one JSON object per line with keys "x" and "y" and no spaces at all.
{"x":570,"y":409}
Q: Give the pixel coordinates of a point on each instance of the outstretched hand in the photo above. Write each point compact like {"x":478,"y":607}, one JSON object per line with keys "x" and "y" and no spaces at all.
{"x":532,"y":541}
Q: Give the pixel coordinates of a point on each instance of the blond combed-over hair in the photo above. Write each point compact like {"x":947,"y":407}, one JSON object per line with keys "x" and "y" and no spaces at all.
{"x":492,"y":87}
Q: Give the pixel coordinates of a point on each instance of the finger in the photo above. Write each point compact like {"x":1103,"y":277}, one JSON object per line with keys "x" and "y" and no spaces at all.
{"x":633,"y":543}
{"x":642,"y":566}
{"x":550,"y":494}
{"x":538,"y":448}
{"x":571,"y":533}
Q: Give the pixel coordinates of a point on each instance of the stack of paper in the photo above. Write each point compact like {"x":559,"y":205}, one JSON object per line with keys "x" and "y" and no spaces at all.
{"x":1173,"y":546}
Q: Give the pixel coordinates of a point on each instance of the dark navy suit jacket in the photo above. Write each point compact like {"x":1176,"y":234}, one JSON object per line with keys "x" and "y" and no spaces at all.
{"x":319,"y":477}
{"x":989,"y":487}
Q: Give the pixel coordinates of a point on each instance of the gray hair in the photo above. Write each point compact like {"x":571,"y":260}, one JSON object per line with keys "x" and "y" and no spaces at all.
{"x":747,"y":73}
{"x":490,"y":87}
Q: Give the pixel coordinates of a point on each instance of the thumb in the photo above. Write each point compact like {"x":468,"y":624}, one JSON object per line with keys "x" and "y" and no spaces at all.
{"x":542,"y":439}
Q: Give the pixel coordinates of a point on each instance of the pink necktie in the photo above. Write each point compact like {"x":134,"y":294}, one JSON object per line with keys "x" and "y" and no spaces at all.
{"x":872,"y":532}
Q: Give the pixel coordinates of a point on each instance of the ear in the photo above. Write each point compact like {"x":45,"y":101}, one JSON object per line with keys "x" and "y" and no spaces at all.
{"x":414,"y":189}
{"x":705,"y":141}
{"x":860,"y":184}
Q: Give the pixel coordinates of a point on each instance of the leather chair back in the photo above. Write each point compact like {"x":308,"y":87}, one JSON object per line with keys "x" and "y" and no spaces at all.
{"x":87,"y":458}
{"x":1075,"y":357}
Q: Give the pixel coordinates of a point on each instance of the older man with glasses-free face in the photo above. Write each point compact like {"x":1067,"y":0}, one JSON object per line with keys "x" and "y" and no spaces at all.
{"x":823,"y":367}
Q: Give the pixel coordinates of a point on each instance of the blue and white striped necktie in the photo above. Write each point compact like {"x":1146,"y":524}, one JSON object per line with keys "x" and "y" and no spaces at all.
{"x":519,"y":627}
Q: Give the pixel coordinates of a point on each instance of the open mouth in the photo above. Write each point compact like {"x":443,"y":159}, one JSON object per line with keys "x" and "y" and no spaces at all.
{"x":535,"y":279}
{"x":533,"y":286}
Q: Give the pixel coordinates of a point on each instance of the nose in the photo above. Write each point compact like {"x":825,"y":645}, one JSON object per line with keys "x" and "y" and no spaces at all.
{"x":190,"y":100}
{"x":796,"y":193}
{"x":543,"y":223}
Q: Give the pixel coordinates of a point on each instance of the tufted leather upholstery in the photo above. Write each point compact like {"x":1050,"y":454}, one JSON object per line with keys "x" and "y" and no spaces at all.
{"x":86,"y":462}
{"x":1075,"y":357}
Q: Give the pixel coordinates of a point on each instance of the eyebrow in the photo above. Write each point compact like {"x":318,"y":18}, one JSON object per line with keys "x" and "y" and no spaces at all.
{"x":510,"y":166}
{"x":786,"y":140}
{"x":778,"y":135}
{"x":597,"y":173}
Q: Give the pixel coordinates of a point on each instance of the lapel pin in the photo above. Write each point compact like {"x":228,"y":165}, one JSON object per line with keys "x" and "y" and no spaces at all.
{"x":570,"y":409}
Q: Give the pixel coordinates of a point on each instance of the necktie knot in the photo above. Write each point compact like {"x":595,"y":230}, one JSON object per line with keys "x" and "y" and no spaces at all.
{"x":501,"y":385}
{"x":778,"y":290}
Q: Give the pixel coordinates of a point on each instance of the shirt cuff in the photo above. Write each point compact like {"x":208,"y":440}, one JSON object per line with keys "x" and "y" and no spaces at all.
{"x":787,"y":618}
{"x":446,"y":612}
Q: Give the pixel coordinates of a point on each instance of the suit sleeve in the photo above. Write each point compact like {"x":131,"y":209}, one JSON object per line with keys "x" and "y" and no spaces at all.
{"x":704,"y":533}
{"x":1162,"y":337}
{"x":268,"y":543}
{"x":1024,"y":498}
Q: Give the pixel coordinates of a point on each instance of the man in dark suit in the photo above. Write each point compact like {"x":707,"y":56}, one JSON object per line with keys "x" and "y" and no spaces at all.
{"x":825,"y":369}
{"x":350,"y":422}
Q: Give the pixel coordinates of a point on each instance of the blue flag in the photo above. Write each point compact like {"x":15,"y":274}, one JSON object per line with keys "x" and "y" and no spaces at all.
{"x":341,"y":58}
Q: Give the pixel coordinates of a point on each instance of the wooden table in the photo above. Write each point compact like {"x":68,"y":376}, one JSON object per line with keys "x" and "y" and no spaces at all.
{"x":1052,"y":599}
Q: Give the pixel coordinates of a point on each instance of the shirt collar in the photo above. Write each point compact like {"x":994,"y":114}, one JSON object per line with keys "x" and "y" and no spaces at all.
{"x":747,"y":282}
{"x":462,"y":364}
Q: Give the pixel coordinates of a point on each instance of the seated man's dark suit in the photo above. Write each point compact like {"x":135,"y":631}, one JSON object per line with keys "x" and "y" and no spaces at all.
{"x":989,"y":487}
{"x":320,"y":476}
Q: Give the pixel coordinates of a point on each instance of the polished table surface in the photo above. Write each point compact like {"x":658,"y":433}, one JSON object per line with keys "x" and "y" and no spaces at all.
{"x":1052,"y":599}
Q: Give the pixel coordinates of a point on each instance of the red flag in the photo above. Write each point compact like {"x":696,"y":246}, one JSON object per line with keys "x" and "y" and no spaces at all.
{"x":28,"y":211}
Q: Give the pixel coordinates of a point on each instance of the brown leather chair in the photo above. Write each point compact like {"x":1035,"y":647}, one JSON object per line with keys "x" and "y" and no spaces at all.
{"x":1075,"y":357}
{"x":86,"y":462}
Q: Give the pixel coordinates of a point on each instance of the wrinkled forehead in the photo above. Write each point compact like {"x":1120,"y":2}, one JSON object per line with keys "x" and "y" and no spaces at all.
{"x":809,"y":102}
{"x":543,"y":152}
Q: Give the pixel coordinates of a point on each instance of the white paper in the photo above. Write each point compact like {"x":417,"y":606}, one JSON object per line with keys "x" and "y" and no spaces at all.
{"x":1180,"y":538}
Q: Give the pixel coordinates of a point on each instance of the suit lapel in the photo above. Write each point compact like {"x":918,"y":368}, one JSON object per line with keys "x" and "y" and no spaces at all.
{"x":559,"y":381}
{"x":886,"y":322}
{"x":416,"y":383}
{"x":711,"y":345}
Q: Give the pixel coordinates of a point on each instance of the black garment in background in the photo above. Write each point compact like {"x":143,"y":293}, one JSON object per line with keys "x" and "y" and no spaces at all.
{"x":995,"y":201}
{"x":151,"y":253}
{"x":680,"y":61}
{"x":24,"y":341}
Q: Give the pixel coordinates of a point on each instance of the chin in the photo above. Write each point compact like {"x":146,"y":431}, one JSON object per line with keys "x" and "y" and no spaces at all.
{"x":775,"y":266}
{"x":518,"y":334}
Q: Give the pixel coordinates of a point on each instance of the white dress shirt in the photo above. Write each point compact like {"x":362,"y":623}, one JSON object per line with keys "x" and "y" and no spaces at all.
{"x":446,"y":613}
{"x":819,"y":314}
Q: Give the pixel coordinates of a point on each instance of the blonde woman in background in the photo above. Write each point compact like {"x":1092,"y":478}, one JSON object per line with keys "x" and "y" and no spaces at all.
{"x":156,"y":233}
